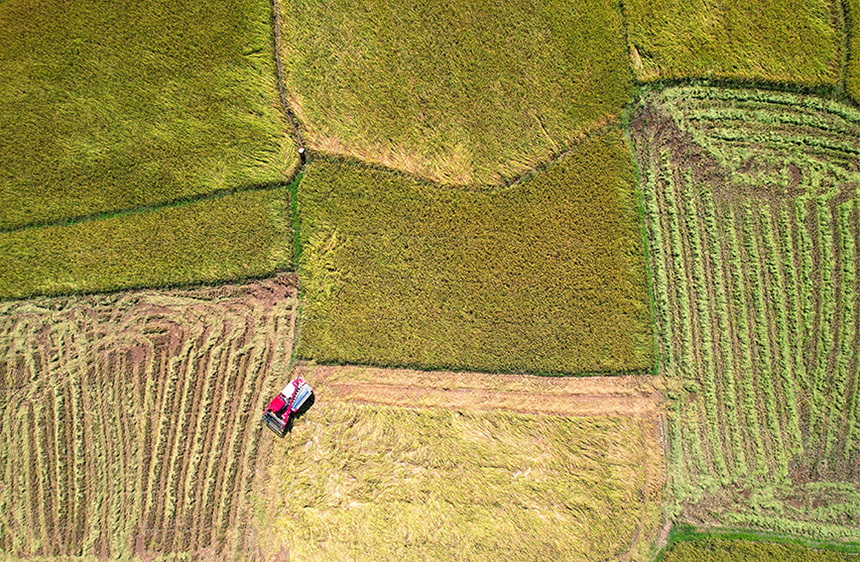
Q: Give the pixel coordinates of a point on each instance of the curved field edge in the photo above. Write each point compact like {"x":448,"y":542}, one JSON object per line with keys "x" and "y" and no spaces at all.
{"x":241,"y":235}
{"x":751,"y":207}
{"x":461,"y":94}
{"x":371,"y":482}
{"x":547,"y":276}
{"x":130,"y":421}
{"x":122,"y":108}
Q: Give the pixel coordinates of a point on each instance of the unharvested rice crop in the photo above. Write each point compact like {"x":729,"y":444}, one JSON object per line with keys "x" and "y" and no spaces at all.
{"x":723,"y":550}
{"x":468,"y":92}
{"x":752,"y":210}
{"x":546,"y":276}
{"x":356,"y":482}
{"x":130,"y":422}
{"x":231,"y":237}
{"x":852,"y":74}
{"x":107,"y":106}
{"x":785,"y":41}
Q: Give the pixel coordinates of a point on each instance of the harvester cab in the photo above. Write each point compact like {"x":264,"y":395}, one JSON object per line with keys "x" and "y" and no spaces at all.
{"x":291,"y":400}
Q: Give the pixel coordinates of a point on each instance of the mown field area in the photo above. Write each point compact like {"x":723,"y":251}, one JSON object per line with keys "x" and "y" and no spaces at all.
{"x":389,"y":483}
{"x":130,"y":425}
{"x":751,"y":205}
{"x":779,"y":41}
{"x":237,"y":236}
{"x":462,"y":93}
{"x":546,"y":276}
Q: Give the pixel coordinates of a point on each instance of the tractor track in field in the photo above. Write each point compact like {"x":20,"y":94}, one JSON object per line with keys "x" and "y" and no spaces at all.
{"x":624,"y":395}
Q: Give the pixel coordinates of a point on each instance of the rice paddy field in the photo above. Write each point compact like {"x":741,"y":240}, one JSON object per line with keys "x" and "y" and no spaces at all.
{"x":370,"y":482}
{"x":247,"y":234}
{"x":493,"y":192}
{"x":751,"y":206}
{"x":106,"y":107}
{"x":546,"y":276}
{"x":121,"y":128}
{"x":852,"y":75}
{"x":777,"y":41}
{"x":129,"y":421}
{"x":461,"y":93}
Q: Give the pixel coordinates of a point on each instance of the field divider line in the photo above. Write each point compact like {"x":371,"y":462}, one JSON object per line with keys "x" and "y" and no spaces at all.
{"x":140,"y":209}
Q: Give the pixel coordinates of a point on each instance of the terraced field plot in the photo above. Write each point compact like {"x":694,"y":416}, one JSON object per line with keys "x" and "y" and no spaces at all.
{"x":104,"y":108}
{"x":461,"y":93}
{"x":785,"y":41}
{"x":130,"y":421}
{"x":463,"y":480}
{"x":236,"y":236}
{"x":751,"y":205}
{"x":546,"y":276}
{"x":109,"y":110}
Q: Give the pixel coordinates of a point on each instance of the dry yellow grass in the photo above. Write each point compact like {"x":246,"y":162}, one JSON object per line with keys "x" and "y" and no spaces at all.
{"x":368,"y":482}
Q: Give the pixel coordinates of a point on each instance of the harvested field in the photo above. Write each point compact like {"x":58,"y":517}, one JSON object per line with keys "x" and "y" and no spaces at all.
{"x":232,"y":237}
{"x":130,"y":421}
{"x":359,"y":480}
{"x":784,"y":41}
{"x":752,"y":208}
{"x":461,"y":93}
{"x":547,"y":276}
{"x":106,"y":107}
{"x":527,"y":394}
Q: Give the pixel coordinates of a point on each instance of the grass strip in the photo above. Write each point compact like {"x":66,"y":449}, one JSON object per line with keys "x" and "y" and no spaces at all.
{"x":106,"y":107}
{"x":237,"y":236}
{"x":547,"y":276}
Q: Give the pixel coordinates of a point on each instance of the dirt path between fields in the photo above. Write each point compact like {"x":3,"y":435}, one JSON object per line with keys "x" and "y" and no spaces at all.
{"x":580,"y":396}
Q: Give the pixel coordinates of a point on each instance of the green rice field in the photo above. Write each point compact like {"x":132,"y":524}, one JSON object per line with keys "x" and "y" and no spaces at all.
{"x":777,"y":41}
{"x":546,"y":276}
{"x":106,"y":107}
{"x":461,"y":93}
{"x":232,"y":237}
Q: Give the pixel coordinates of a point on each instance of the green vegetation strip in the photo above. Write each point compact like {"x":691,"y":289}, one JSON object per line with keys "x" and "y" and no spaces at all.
{"x":465,"y":92}
{"x":547,"y":276}
{"x":789,"y":42}
{"x":237,"y":236}
{"x":686,"y":542}
{"x":106,"y":107}
{"x":354,"y":482}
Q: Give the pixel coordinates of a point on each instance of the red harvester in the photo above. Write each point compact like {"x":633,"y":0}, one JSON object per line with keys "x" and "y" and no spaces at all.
{"x":288,"y":402}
